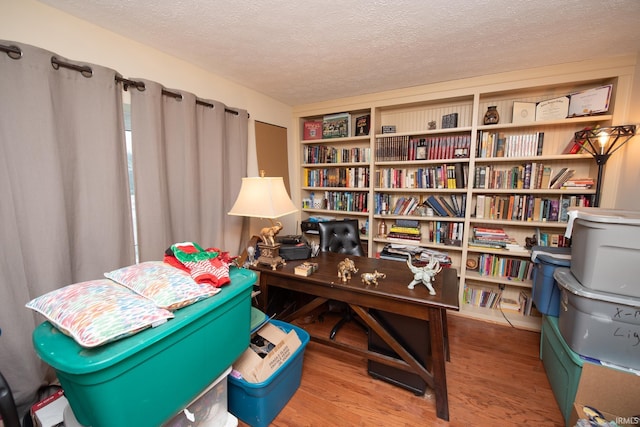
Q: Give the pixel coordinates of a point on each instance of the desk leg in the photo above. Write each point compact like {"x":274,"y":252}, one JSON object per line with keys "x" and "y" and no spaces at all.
{"x":439,"y":356}
{"x":263,"y":298}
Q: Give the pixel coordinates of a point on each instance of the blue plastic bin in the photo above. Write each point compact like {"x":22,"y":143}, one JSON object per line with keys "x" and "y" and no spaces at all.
{"x":545,"y":292}
{"x":257,"y":404}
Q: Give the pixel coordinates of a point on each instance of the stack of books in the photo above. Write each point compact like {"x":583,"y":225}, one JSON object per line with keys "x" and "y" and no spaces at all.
{"x":405,"y":229}
{"x":494,"y":238}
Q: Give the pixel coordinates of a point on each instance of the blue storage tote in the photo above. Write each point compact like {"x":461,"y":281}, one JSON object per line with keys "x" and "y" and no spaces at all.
{"x":257,"y":404}
{"x":562,"y":365}
{"x":545,"y":292}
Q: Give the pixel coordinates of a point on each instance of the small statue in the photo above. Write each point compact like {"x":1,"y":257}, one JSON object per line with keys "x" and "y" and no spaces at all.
{"x":372,"y":278}
{"x":268,"y":234}
{"x":424,"y":274}
{"x":345,"y":268}
{"x":431,"y":124}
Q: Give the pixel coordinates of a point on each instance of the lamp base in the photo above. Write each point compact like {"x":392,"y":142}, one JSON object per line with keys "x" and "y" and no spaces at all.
{"x":270,"y":255}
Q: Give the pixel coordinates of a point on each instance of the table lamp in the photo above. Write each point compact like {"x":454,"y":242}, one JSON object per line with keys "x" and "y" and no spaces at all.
{"x":265,"y":197}
{"x":601,"y":143}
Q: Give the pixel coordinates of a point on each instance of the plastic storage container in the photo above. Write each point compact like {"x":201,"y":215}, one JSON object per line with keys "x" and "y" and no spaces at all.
{"x":605,"y":249}
{"x":562,"y":365}
{"x":145,"y":379}
{"x":545,"y":293}
{"x":257,"y":404}
{"x":599,"y":325}
{"x":208,"y":409}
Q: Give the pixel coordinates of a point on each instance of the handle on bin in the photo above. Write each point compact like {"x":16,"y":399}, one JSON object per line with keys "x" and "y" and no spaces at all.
{"x":564,"y":300}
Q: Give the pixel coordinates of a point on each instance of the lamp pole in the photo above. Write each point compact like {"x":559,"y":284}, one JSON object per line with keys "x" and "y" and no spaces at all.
{"x":601,"y":159}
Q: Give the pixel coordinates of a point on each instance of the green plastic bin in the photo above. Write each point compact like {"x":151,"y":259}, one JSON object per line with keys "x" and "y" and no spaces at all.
{"x":145,"y":379}
{"x":562,"y":365}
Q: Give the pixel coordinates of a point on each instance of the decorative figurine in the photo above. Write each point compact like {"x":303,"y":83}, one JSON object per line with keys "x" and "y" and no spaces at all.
{"x":345,"y":268}
{"x":372,"y":278}
{"x":424,"y":274}
{"x":431,"y":124}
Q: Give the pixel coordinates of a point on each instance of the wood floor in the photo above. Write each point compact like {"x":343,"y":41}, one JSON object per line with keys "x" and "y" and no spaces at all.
{"x":495,"y":378}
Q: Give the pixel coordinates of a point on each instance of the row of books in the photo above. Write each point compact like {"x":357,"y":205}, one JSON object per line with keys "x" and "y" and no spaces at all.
{"x":493,"y":144}
{"x":506,"y":267}
{"x":451,"y":205}
{"x":521,"y":207}
{"x":450,"y":176}
{"x":517,"y":301}
{"x":447,"y":208}
{"x":528,"y":176}
{"x":344,"y":201}
{"x":314,"y":154}
{"x":406,"y":148}
{"x":355,"y":177}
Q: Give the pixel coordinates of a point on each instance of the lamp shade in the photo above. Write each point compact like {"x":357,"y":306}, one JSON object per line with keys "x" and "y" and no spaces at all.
{"x":263,"y":197}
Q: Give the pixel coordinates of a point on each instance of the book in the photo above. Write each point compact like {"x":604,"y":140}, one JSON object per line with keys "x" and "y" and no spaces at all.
{"x":447,"y":206}
{"x":363,"y":123}
{"x":568,"y":173}
{"x":436,"y":206}
{"x":336,"y":125}
{"x":556,"y":175}
{"x":450,"y":121}
{"x":312,"y":129}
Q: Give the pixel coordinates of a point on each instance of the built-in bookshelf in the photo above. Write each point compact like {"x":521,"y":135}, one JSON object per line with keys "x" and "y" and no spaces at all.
{"x":429,"y":174}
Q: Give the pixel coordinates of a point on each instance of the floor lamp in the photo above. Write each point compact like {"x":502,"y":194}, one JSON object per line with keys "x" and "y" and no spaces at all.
{"x":601,"y":143}
{"x":265,"y":197}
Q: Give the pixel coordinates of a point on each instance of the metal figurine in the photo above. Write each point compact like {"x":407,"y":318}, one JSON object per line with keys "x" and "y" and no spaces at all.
{"x":424,"y":274}
{"x":345,"y":268}
{"x":372,"y":278}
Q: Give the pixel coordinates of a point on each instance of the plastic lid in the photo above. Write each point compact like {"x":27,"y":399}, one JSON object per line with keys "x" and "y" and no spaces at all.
{"x":555,"y":259}
{"x":610,"y":216}
{"x":568,"y":281}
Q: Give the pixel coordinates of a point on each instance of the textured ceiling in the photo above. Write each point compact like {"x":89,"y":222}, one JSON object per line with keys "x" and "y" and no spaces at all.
{"x":300,"y":52}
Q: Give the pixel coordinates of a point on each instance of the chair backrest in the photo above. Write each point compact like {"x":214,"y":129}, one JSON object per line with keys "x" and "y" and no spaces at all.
{"x":8,"y":409}
{"x":341,"y":237}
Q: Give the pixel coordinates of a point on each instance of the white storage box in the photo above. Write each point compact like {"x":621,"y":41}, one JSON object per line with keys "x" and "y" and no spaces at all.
{"x":598,"y":325}
{"x":605,"y":249}
{"x":208,"y":409}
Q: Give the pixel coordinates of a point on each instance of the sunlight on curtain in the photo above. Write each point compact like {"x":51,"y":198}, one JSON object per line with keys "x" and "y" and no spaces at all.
{"x":189,"y":160}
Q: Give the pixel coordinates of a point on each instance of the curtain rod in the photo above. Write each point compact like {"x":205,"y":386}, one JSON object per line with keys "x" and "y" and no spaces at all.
{"x":14,"y":52}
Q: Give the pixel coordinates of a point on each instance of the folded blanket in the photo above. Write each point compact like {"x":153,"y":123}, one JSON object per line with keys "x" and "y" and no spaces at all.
{"x":205,"y":266}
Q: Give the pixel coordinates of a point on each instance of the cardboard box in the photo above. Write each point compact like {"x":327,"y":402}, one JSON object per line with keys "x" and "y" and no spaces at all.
{"x":49,"y":411}
{"x":255,"y":369}
{"x":613,"y":392}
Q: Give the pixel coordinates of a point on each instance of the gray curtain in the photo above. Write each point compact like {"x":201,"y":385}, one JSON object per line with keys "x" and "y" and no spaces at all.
{"x":64,"y":195}
{"x":189,"y":160}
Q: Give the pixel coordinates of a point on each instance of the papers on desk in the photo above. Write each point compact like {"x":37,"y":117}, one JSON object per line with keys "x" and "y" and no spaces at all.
{"x":398,"y":252}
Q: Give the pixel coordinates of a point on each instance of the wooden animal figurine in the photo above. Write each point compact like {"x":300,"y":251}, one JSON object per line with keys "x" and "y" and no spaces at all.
{"x":268,"y":234}
{"x":424,"y":274}
{"x":345,"y":268}
{"x":372,"y":278}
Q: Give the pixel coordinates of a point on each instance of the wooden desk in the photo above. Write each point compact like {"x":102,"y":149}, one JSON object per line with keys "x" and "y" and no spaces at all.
{"x":391,"y":295}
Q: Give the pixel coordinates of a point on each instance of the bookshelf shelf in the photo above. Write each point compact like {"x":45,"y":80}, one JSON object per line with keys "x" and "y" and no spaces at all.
{"x":395,"y":163}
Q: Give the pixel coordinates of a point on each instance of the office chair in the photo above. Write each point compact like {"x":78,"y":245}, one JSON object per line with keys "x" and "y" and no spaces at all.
{"x":8,"y":410}
{"x":342,"y":237}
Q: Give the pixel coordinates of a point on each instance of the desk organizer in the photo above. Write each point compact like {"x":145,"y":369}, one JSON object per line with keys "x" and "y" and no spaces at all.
{"x":145,"y":379}
{"x":257,"y":404}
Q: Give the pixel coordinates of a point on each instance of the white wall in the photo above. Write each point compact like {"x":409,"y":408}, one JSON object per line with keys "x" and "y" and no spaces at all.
{"x":628,"y":189}
{"x":31,"y":22}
